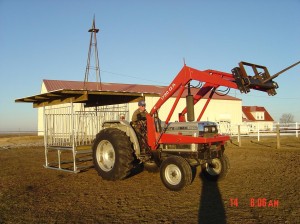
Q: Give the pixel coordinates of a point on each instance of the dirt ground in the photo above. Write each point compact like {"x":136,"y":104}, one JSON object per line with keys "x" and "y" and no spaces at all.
{"x":262,"y":187}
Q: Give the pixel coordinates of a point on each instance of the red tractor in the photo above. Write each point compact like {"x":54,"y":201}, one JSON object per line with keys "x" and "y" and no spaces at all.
{"x":177,"y":148}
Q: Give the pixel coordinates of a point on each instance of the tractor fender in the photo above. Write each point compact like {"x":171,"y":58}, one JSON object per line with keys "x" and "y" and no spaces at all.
{"x":128,"y":129}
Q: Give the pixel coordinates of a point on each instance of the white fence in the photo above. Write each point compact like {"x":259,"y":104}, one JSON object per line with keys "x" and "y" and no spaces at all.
{"x":289,"y":129}
{"x":245,"y":129}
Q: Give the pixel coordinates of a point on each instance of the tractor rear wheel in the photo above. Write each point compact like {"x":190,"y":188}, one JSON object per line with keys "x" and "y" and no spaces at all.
{"x":217,"y":169}
{"x":175,"y":173}
{"x":113,"y":154}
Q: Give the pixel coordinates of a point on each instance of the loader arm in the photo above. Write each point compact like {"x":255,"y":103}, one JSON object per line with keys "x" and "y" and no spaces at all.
{"x":239,"y":79}
{"x":210,"y":77}
{"x":259,"y":79}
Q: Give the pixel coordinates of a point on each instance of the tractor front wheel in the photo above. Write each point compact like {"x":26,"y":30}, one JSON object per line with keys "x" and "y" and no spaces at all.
{"x":175,"y":173}
{"x":217,"y":169}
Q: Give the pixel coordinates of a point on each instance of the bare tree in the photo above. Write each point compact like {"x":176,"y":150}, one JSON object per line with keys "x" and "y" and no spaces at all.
{"x":287,"y":118}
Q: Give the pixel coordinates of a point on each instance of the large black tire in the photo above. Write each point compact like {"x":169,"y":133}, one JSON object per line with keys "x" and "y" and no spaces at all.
{"x":175,"y":173}
{"x":217,"y":169}
{"x":113,"y":154}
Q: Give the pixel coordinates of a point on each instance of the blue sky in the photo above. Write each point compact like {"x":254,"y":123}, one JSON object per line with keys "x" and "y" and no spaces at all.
{"x":144,"y":42}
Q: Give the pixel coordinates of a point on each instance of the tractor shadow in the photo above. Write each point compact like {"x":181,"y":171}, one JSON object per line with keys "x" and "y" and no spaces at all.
{"x":211,"y":207}
{"x":137,"y":169}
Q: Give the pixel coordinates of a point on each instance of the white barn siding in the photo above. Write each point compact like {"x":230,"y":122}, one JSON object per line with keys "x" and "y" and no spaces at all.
{"x":217,"y":110}
{"x":41,"y":113}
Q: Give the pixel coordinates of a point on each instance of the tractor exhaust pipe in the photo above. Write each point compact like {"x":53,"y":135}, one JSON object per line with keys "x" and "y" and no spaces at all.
{"x":190,"y":105}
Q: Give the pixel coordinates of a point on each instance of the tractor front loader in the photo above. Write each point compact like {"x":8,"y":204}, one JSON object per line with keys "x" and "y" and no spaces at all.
{"x":177,"y":148}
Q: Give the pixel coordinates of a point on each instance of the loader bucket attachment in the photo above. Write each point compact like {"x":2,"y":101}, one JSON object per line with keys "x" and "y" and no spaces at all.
{"x":261,"y":80}
{"x":255,"y":81}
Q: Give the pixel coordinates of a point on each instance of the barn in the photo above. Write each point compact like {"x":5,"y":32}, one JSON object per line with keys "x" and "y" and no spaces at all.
{"x":220,"y":109}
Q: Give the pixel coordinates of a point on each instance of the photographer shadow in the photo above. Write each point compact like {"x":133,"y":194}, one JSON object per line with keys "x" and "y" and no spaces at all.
{"x":211,"y":208}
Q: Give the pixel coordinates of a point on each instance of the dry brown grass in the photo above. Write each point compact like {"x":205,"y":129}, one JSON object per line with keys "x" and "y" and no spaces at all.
{"x":12,"y":140}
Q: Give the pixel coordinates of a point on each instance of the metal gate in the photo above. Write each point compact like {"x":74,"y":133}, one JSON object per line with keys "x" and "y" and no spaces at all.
{"x":69,"y":131}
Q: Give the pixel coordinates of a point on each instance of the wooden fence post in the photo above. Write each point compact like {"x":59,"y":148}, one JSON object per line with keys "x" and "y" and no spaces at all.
{"x":278,"y":136}
{"x":258,"y":132}
{"x":239,"y":135}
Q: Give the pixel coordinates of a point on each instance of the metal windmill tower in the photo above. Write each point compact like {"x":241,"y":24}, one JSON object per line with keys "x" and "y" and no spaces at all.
{"x":93,"y":51}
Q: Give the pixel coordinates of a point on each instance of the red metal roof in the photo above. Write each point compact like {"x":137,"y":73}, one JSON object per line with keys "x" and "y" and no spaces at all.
{"x":247,"y":110}
{"x":52,"y":85}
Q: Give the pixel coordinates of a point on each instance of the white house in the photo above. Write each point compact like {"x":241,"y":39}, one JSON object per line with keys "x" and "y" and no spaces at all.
{"x":257,"y":118}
